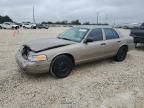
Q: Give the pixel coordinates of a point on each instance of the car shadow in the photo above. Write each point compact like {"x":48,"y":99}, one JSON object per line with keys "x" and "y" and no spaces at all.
{"x":96,"y":62}
{"x":34,"y":76}
{"x":45,"y":76}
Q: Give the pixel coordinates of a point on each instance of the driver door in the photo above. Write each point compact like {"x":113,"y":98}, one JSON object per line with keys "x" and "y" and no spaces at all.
{"x":94,"y":49}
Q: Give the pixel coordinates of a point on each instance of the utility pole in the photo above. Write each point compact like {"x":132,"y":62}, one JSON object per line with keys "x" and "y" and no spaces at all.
{"x":106,"y":19}
{"x":97,"y":17}
{"x":33,"y":14}
{"x":114,"y":21}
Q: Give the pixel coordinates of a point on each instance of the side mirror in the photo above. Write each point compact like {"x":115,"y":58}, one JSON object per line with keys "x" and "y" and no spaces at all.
{"x":88,"y":40}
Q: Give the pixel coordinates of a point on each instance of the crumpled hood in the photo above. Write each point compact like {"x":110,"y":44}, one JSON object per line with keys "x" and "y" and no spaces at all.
{"x":47,"y":43}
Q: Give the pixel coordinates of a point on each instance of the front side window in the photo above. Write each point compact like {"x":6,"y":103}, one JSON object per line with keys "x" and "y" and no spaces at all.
{"x":96,"y":34}
{"x":74,"y":34}
{"x":7,"y":24}
{"x":110,"y":34}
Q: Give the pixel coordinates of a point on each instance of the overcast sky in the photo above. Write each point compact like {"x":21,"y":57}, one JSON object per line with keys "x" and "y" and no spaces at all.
{"x":118,"y":11}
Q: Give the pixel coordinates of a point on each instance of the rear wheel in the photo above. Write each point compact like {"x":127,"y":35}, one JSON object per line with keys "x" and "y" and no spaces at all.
{"x":135,"y":45}
{"x":121,"y":54}
{"x":17,"y":27}
{"x":61,"y":66}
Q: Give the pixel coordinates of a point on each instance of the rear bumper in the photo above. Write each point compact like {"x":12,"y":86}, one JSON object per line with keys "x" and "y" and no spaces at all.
{"x":32,"y":67}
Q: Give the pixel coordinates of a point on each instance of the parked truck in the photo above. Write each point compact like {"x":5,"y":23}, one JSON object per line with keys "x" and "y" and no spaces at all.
{"x":29,"y":25}
{"x":138,"y":34}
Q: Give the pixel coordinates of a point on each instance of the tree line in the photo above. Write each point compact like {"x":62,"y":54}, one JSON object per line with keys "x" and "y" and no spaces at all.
{"x":5,"y":19}
{"x":74,"y":22}
{"x":65,"y":22}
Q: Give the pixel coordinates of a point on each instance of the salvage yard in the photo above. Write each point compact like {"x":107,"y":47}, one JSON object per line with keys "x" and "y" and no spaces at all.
{"x":100,"y":84}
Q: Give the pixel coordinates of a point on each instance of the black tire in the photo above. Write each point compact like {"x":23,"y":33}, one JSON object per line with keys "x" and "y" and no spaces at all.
{"x":61,"y":66}
{"x":17,"y":27}
{"x":135,"y":45}
{"x":24,"y":27}
{"x":121,"y":54}
{"x":0,"y":27}
{"x":33,"y":27}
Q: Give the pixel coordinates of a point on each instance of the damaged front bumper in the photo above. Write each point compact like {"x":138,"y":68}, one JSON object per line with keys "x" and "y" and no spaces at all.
{"x":32,"y":67}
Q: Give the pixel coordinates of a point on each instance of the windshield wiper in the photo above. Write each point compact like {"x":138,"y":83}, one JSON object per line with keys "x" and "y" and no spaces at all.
{"x":64,"y":38}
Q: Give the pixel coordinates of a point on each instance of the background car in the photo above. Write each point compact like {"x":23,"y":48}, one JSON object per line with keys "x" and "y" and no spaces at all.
{"x":138,"y":34}
{"x":42,"y":26}
{"x":9,"y":25}
{"x":19,"y":24}
{"x":142,"y":26}
{"x":76,"y":45}
{"x":130,"y":26}
{"x":29,"y":26}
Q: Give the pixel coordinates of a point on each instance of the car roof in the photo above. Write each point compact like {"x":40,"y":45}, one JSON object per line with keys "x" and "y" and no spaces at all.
{"x":8,"y":23}
{"x":93,"y":26}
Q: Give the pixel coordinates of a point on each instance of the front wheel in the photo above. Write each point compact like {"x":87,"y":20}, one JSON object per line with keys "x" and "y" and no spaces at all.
{"x":33,"y":27}
{"x":61,"y":66}
{"x":121,"y":54}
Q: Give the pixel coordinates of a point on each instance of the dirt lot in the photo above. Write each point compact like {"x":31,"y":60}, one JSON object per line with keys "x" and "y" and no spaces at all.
{"x":101,"y":84}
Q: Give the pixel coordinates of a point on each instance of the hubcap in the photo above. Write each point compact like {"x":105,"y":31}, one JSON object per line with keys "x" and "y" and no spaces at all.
{"x":62,"y":67}
{"x":122,"y":54}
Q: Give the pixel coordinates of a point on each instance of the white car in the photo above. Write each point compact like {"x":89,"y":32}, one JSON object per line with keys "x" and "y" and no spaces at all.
{"x":9,"y":25}
{"x":29,"y":26}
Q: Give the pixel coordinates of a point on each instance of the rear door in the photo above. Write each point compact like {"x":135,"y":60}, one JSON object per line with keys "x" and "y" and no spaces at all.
{"x":112,"y":42}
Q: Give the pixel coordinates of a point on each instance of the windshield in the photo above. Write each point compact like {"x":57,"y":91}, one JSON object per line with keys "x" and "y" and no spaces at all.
{"x":74,"y":34}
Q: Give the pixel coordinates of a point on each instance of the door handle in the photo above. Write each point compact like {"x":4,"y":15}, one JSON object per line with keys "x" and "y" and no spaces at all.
{"x":119,"y":41}
{"x":103,"y":44}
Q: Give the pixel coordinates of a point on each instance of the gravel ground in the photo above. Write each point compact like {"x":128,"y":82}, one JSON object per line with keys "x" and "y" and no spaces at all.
{"x":100,"y":84}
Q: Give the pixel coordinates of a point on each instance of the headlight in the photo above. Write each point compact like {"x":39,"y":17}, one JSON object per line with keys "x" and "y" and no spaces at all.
{"x":37,"y":58}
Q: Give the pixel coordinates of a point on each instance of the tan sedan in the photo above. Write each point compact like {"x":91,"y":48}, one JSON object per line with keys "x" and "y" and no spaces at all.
{"x":76,"y":45}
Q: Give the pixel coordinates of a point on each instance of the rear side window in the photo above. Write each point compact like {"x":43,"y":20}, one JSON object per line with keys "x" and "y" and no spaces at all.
{"x":96,"y":34}
{"x":110,"y":34}
{"x":7,"y":23}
